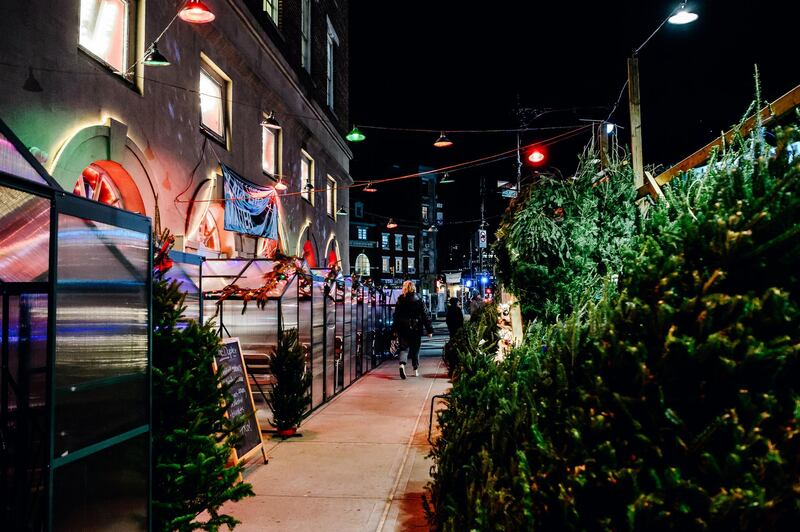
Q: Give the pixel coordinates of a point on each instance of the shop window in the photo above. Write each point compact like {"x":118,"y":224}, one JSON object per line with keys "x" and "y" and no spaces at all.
{"x":270,"y":146}
{"x":213,"y":102}
{"x":307,"y":178}
{"x":385,"y":264}
{"x":305,"y":34}
{"x":362,"y":233}
{"x":271,"y":9}
{"x":362,"y":265}
{"x":398,"y":242}
{"x":96,"y":184}
{"x":330,"y":190}
{"x":107,"y":30}
{"x":410,"y":239}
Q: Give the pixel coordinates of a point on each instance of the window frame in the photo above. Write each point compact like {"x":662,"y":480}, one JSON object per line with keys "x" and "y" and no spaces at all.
{"x":332,"y":40}
{"x":361,"y":233}
{"x":130,"y":40}
{"x":216,"y":75}
{"x":274,"y":14}
{"x":305,"y":35}
{"x":330,"y":196}
{"x":398,"y":261}
{"x":398,"y":242}
{"x":385,"y":240}
{"x":386,"y":264}
{"x":410,"y":242}
{"x":278,"y":136}
{"x":305,"y":179}
{"x":411,"y":264}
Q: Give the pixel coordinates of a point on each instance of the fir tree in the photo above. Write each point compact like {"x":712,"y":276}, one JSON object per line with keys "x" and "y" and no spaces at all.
{"x":192,"y":437}
{"x":289,"y":397}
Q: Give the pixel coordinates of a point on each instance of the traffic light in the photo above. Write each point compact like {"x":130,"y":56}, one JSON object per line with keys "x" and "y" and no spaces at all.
{"x":536,"y":155}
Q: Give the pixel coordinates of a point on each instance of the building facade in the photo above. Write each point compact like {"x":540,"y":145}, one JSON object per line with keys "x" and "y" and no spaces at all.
{"x":399,"y":253}
{"x":261,"y":90}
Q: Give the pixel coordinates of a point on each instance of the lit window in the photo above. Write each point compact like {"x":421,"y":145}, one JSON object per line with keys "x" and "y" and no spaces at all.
{"x":398,"y":264}
{"x":212,"y":101}
{"x":398,"y":242}
{"x":305,"y":34}
{"x":362,"y":233}
{"x":271,"y":9}
{"x":96,"y":184}
{"x":425,"y":214}
{"x":333,"y":40}
{"x":385,"y":264}
{"x":307,"y":177}
{"x":439,"y":217}
{"x":362,"y":265}
{"x":410,"y":239}
{"x":385,"y":240}
{"x":270,"y":143}
{"x":330,"y":191}
{"x":106,"y":31}
{"x":412,"y":268}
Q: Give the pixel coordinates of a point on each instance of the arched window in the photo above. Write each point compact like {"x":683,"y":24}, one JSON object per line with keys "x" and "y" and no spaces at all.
{"x":95,"y":183}
{"x":362,"y":265}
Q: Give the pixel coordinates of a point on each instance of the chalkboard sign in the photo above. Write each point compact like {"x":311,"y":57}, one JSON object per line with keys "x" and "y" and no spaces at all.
{"x":230,"y":363}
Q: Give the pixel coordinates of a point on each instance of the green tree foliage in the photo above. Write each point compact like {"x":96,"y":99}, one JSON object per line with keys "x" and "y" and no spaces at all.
{"x":671,"y":401}
{"x":289,"y":398}
{"x":481,"y":330}
{"x":559,"y":239}
{"x":192,"y":438}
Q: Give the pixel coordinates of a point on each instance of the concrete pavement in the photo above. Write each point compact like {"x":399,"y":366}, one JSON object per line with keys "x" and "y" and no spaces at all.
{"x":361,"y":463}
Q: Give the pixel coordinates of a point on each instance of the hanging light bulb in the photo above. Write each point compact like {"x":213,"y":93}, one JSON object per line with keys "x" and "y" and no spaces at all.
{"x":355,"y":135}
{"x":280,"y":185}
{"x":154,"y":58}
{"x":32,"y":84}
{"x":196,"y":12}
{"x":270,"y":122}
{"x":683,"y":16}
{"x":392,"y":224}
{"x":443,"y":141}
{"x":370,"y":187}
{"x":446,"y":180}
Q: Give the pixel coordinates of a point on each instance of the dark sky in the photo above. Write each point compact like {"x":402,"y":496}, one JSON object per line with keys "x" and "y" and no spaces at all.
{"x":448,"y":64}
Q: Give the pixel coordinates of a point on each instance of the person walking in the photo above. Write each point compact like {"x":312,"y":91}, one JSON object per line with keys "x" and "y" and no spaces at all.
{"x":410,"y":319}
{"x":475,"y":305}
{"x":454,"y":317}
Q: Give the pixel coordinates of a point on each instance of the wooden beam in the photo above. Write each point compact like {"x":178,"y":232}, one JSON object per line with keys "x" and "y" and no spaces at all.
{"x":779,"y":107}
{"x":634,"y":102}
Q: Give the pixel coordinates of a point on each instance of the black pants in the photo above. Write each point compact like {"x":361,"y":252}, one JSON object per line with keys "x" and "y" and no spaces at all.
{"x":411,"y":348}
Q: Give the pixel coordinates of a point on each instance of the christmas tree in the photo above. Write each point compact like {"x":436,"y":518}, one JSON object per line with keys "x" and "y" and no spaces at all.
{"x":192,"y":437}
{"x":289,"y":397}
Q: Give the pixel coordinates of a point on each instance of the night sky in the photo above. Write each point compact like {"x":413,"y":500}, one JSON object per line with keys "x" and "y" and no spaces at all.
{"x":446,"y":65}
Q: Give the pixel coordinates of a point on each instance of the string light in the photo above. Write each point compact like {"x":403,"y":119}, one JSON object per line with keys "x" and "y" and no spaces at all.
{"x":443,"y":141}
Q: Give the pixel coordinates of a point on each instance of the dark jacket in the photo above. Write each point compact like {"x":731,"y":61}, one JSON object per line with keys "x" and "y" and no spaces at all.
{"x":454,"y":319}
{"x":410,"y":318}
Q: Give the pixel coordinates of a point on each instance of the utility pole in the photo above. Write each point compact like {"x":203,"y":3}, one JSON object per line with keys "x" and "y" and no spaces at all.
{"x":483,"y":224}
{"x":636,"y":121}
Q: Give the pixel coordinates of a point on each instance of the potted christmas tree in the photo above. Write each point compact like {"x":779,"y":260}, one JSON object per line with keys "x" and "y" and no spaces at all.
{"x":288,"y":398}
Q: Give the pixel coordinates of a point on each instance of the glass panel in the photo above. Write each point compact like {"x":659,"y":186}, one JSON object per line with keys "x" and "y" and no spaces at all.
{"x":256,"y":329}
{"x":11,"y":162}
{"x":338,"y":345}
{"x":101,"y":332}
{"x":348,"y":332}
{"x":25,"y":238}
{"x":318,"y":359}
{"x":104,"y":30}
{"x":187,"y":275}
{"x":268,"y":150}
{"x":212,"y":103}
{"x":289,"y":305}
{"x":104,"y":491}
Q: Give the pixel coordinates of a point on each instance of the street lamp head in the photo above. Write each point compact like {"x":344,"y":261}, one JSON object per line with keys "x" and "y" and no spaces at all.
{"x":683,"y":16}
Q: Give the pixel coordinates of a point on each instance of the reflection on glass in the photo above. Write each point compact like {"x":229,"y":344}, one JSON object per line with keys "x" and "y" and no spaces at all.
{"x":25,"y":237}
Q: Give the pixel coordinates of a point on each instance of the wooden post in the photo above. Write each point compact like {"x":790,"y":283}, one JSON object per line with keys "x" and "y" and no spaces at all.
{"x":636,"y":121}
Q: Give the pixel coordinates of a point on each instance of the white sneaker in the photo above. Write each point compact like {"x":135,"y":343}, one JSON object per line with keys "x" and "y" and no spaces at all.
{"x":403,"y":371}
{"x":416,"y":373}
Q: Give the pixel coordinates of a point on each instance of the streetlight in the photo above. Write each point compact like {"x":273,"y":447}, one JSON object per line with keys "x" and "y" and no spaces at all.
{"x":680,"y":15}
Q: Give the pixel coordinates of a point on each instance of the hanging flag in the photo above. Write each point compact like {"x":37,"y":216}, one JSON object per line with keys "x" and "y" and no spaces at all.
{"x":249,"y":208}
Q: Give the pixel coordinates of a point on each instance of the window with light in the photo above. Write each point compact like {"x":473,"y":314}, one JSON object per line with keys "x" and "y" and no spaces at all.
{"x":424,"y":214}
{"x":107,"y":30}
{"x":330,"y":191}
{"x":412,"y":266}
{"x":212,"y":102}
{"x":398,"y":264}
{"x":398,"y":242}
{"x":385,"y":264}
{"x":271,"y":9}
{"x":95,"y":183}
{"x":362,"y":233}
{"x":362,"y":265}
{"x":270,"y":142}
{"x":307,"y":179}
{"x":305,"y":34}
{"x":410,"y":239}
{"x":385,"y":240}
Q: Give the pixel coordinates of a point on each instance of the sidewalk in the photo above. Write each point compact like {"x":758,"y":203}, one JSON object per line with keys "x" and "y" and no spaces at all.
{"x":360,"y":464}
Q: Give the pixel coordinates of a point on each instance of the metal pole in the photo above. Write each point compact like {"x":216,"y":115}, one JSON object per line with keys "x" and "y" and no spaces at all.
{"x":636,"y":121}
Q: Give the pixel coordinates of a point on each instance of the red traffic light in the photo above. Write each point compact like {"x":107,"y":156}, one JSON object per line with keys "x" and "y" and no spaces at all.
{"x":536,"y":155}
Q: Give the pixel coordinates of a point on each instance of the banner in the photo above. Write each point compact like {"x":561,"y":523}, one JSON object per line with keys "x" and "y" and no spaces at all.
{"x":249,"y":208}
{"x":453,"y":278}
